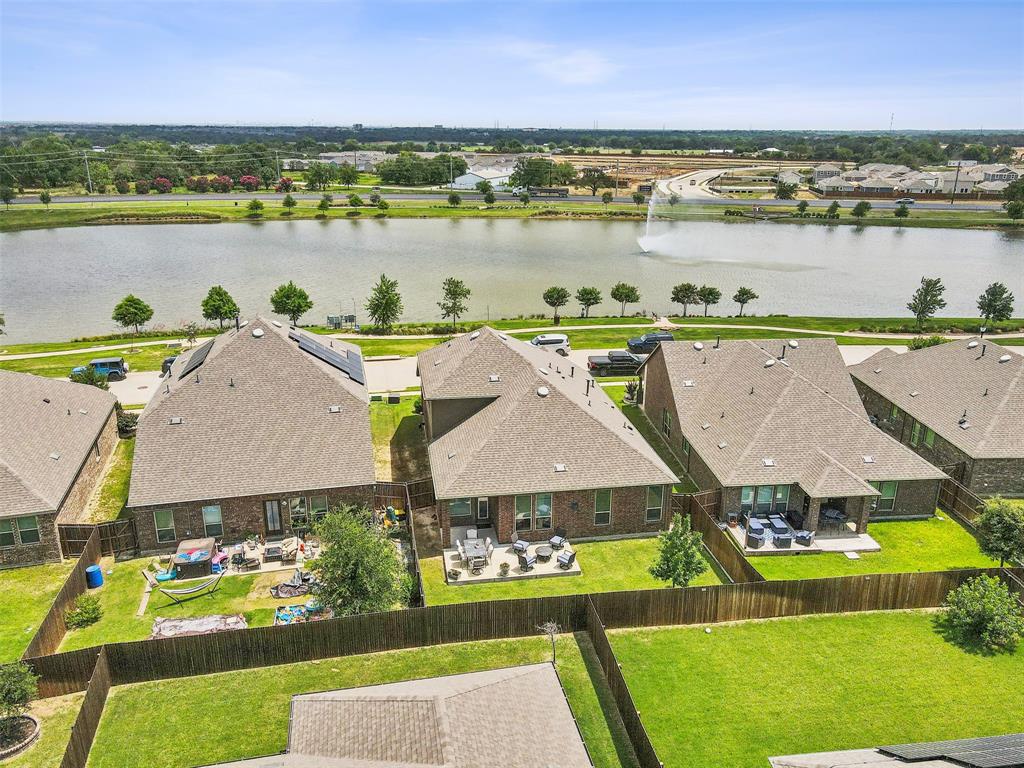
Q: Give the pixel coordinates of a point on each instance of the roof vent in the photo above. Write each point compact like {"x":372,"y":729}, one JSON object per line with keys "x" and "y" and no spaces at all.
{"x":257,"y":333}
{"x":46,"y":400}
{"x":276,"y":323}
{"x":687,"y":382}
{"x":545,"y":371}
{"x":769,"y":363}
{"x":451,"y":454}
{"x":722,"y":444}
{"x":698,"y":346}
{"x":543,"y":391}
{"x":494,"y":378}
{"x":878,"y":370}
{"x":54,"y":455}
{"x":243,"y":324}
{"x":334,"y":409}
{"x":869,"y":459}
{"x":972,"y":344}
{"x":83,"y":411}
{"x":768,"y":462}
{"x":1004,"y":358}
{"x":559,"y":467}
{"x":503,"y":337}
{"x":915,"y":393}
{"x":176,"y":420}
{"x":474,"y":335}
{"x":793,"y":343}
{"x":705,"y":425}
{"x":965,"y":425}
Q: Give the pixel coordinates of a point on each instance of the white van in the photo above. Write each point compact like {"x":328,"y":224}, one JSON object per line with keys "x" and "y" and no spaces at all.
{"x":557,"y":342}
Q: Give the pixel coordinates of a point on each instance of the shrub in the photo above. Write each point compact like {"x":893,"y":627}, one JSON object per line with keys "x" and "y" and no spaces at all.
{"x":921,"y":342}
{"x":249,"y":183}
{"x":18,"y":686}
{"x":162,"y":185}
{"x":221,"y":184}
{"x":417,"y":405}
{"x":982,"y":612}
{"x":284,"y":185}
{"x":122,"y":186}
{"x":141,"y":187}
{"x":127,"y":422}
{"x":84,"y":612}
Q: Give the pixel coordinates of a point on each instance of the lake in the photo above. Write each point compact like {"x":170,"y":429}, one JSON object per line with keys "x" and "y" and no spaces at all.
{"x":60,"y":283}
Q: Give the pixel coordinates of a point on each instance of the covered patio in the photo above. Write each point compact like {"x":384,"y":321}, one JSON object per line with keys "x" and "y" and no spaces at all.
{"x":835,"y":539}
{"x":479,"y":562}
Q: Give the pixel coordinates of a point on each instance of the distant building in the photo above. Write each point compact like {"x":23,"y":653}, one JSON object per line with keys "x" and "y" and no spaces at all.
{"x":826,"y":171}
{"x":363,"y":160}
{"x":790,"y":177}
{"x":837,"y":184}
{"x":499,"y":178}
{"x":295,"y":164}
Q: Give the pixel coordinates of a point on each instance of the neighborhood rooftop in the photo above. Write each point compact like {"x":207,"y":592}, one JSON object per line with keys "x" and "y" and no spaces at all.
{"x":774,"y":412}
{"x":969,"y":391}
{"x":548,"y":425}
{"x":49,"y":429}
{"x":260,"y":409}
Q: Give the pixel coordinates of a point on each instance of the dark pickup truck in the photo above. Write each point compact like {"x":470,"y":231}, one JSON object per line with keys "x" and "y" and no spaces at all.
{"x":617,"y":362}
{"x":645,"y":344}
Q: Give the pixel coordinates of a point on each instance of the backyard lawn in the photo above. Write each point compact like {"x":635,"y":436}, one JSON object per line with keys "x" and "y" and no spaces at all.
{"x":399,"y":445}
{"x":56,"y":716}
{"x":111,"y":494}
{"x":751,"y":690}
{"x":937,"y":544}
{"x":25,"y":597}
{"x":608,"y":566}
{"x":121,"y":595}
{"x":245,"y":714}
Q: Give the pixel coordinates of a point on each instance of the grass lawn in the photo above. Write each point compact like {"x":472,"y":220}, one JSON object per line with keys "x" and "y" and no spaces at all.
{"x":111,"y":494}
{"x":142,"y":359}
{"x":865,"y":324}
{"x":121,"y":595}
{"x":907,"y":546}
{"x":608,"y":566}
{"x":399,"y":445}
{"x":835,"y":682}
{"x":25,"y":596}
{"x":245,"y":714}
{"x":56,"y":716}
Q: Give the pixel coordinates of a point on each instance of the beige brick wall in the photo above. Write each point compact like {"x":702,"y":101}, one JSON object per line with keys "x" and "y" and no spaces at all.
{"x":91,"y":472}
{"x":46,"y":551}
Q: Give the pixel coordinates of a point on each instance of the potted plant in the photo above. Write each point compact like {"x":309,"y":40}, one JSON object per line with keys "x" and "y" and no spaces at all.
{"x":503,"y":569}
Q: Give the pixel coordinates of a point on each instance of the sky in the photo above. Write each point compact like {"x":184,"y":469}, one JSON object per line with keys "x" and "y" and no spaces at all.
{"x":739,"y":65}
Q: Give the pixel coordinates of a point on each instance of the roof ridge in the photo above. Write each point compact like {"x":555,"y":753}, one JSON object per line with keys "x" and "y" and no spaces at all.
{"x":1014,"y":382}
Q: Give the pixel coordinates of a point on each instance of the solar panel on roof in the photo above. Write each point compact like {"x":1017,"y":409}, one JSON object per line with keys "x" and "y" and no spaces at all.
{"x":197,"y":359}
{"x":350,"y":364}
{"x":985,"y":752}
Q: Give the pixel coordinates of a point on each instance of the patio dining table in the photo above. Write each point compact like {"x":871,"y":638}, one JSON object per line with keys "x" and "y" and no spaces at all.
{"x":475,"y":549}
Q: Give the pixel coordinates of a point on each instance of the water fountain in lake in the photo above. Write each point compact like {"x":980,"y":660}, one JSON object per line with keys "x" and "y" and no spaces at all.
{"x":658,"y":213}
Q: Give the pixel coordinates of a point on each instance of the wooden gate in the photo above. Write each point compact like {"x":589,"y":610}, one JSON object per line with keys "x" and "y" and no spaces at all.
{"x":421,"y":493}
{"x":117,"y":537}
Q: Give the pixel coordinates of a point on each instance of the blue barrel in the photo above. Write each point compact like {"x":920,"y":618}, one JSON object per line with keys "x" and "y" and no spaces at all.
{"x":94,"y":576}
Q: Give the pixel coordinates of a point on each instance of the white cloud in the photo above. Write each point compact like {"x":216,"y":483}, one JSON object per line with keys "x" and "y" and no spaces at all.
{"x":580,"y":66}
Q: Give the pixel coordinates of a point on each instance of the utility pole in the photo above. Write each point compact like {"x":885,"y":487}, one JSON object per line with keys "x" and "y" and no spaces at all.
{"x":616,"y":176}
{"x":277,"y":163}
{"x":956,"y":180}
{"x":88,"y":176}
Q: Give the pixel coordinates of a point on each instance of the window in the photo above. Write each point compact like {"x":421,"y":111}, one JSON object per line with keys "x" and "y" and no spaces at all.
{"x":666,"y":422}
{"x":747,"y":498}
{"x":212,"y":521}
{"x":460,"y":508}
{"x":686,"y":447}
{"x":28,"y":529}
{"x":929,"y":437}
{"x":603,"y":507}
{"x":163,"y":520}
{"x":781,"y":498}
{"x":655,"y":496}
{"x":542,"y":519}
{"x":887,"y":502}
{"x":524,"y":513}
{"x":297,"y":511}
{"x":6,"y":533}
{"x":765,"y":493}
{"x":894,"y":412}
{"x":915,"y":433}
{"x":317,"y":507}
{"x":483,"y":508}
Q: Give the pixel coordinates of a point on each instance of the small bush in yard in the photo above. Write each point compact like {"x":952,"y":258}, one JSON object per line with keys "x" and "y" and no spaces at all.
{"x":18,"y":686}
{"x":982,"y":612}
{"x":162,"y":185}
{"x":127,"y":422}
{"x":85,"y":611}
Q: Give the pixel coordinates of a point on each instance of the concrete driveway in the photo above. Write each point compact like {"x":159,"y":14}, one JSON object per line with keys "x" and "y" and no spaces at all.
{"x":137,"y":388}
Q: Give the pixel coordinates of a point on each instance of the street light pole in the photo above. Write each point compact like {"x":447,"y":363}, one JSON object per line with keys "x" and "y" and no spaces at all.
{"x":88,"y":176}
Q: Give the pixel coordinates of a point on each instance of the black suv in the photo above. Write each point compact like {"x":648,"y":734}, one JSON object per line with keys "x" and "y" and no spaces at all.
{"x":617,"y":361}
{"x":648,"y":341}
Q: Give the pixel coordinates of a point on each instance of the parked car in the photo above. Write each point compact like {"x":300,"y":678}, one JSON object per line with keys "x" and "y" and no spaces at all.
{"x":165,"y":366}
{"x":616,"y":362}
{"x":906,"y":201}
{"x":647,"y":342}
{"x":557,"y":342}
{"x":111,"y":368}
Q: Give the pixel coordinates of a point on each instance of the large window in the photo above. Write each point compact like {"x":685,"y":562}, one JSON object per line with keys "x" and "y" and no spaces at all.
{"x":666,"y":422}
{"x":765,"y":494}
{"x":213,"y":523}
{"x":28,"y":529}
{"x":163,"y":521}
{"x":524,"y":513}
{"x":887,"y":489}
{"x":781,"y":498}
{"x":6,"y":533}
{"x":655,"y":497}
{"x":542,"y":517}
{"x":460,"y":508}
{"x":603,"y":507}
{"x":929,"y":437}
{"x":317,"y":507}
{"x":915,"y":434}
{"x":894,"y":412}
{"x":297,"y":511}
{"x":747,"y":498}
{"x":686,"y":447}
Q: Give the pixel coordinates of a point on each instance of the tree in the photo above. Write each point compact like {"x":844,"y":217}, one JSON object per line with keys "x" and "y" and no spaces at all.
{"x":191,"y":332}
{"x":320,"y":175}
{"x":743,"y":296}
{"x":638,"y":199}
{"x":267,"y":176}
{"x":248,"y":182}
{"x":524,"y":198}
{"x":325,"y":204}
{"x":901,"y":211}
{"x":833,"y":208}
{"x":355,"y":200}
{"x":1015,"y":209}
{"x":91,"y":377}
{"x":218,"y":305}
{"x":374,"y":198}
{"x":454,"y":199}
{"x":489,"y":197}
{"x":18,"y":686}
{"x":708,"y":295}
{"x":679,"y":554}
{"x":358,"y":570}
{"x":606,"y":198}
{"x":923,"y":342}
{"x":802,"y":206}
{"x":289,"y":203}
{"x":348,"y":174}
{"x":45,"y":198}
{"x":7,"y":196}
{"x":685,"y":294}
{"x":785,"y":191}
{"x":255,"y":207}
{"x":594,"y":179}
{"x":291,"y":301}
{"x":625,"y":294}
{"x":453,"y":299}
{"x":983,"y":612}
{"x":385,"y":303}
{"x":673,"y":200}
{"x":927,"y":300}
{"x":860,"y":210}
{"x":1001,"y":530}
{"x":556,"y":297}
{"x":996,"y":303}
{"x":131,"y":312}
{"x":484,"y":186}
{"x":383,"y":205}
{"x":588,"y":297}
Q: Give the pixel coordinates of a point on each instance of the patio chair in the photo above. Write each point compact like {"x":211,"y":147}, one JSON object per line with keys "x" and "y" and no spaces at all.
{"x":754,"y":526}
{"x":520,"y":546}
{"x":755,"y":540}
{"x":462,"y":552}
{"x":804,"y":538}
{"x":526,"y":562}
{"x":783,"y":540}
{"x":566,"y":559}
{"x":289,"y":550}
{"x":558,"y":540}
{"x":209,"y":586}
{"x":471,"y":533}
{"x":490,"y":550}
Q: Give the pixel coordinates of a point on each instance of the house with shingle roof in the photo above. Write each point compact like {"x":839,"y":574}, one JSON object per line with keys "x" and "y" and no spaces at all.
{"x":958,"y":405}
{"x":524,"y":440}
{"x":259,"y":430}
{"x":778,"y":426}
{"x":469,"y":720}
{"x":54,"y":444}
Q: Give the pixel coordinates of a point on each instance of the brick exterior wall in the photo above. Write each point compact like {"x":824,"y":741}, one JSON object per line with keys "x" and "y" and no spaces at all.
{"x":1002,"y":476}
{"x":240,"y":515}
{"x":443,"y":415}
{"x":46,"y":551}
{"x":574,"y":511}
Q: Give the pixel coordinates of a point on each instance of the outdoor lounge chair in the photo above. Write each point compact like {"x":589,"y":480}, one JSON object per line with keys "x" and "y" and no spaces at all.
{"x":558,"y":540}
{"x":566,"y":559}
{"x":520,"y":546}
{"x":805,"y":538}
{"x":526,"y":562}
{"x":783,"y":540}
{"x":289,"y":550}
{"x":755,"y":540}
{"x":209,"y":586}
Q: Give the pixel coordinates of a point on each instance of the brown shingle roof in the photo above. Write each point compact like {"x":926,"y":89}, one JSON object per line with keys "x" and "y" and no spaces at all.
{"x":513,"y":444}
{"x":975,"y":376}
{"x":796,"y":419}
{"x":40,"y":419}
{"x":254,"y":419}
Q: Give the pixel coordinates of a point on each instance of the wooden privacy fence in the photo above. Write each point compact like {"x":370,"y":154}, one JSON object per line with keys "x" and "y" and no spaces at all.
{"x":722,"y":546}
{"x":418,"y":595}
{"x":421,"y":493}
{"x":84,"y":730}
{"x":116,"y":537}
{"x":386,"y":494}
{"x":960,"y":502}
{"x":51,"y":631}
